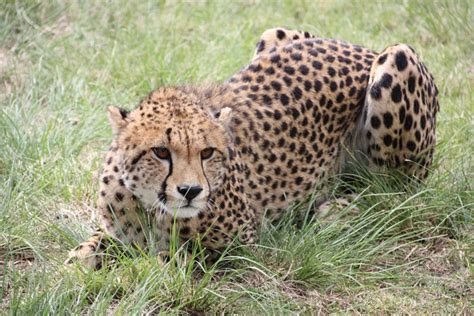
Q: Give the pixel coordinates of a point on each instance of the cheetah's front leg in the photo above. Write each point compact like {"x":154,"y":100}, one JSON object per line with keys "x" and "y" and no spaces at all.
{"x":118,"y":213}
{"x":87,"y":252}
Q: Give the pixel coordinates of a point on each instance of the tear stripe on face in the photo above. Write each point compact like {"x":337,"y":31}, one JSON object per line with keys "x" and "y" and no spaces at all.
{"x":162,"y":194}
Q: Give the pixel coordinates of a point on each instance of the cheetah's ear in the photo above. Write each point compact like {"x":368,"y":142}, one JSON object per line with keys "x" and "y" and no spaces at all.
{"x":224,"y":116}
{"x":117,"y":118}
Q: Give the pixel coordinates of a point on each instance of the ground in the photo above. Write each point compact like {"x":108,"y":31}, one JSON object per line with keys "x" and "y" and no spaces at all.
{"x":62,"y":63}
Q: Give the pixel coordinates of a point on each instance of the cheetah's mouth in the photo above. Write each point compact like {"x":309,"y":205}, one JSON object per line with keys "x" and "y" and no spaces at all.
{"x":182,"y":209}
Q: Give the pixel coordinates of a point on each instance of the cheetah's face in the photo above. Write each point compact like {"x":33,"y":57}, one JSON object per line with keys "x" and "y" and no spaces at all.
{"x":173,"y":154}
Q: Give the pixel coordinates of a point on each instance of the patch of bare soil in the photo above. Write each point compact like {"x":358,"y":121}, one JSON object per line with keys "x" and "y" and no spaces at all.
{"x":437,"y":278}
{"x":20,"y":261}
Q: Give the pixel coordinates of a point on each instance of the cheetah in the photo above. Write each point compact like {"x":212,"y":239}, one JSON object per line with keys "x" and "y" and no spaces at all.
{"x":213,"y":161}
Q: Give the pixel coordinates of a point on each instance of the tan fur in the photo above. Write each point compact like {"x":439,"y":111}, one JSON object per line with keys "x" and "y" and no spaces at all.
{"x":278,"y":128}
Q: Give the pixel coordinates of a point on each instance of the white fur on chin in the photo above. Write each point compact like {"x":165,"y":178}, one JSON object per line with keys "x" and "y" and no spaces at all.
{"x":181,"y":212}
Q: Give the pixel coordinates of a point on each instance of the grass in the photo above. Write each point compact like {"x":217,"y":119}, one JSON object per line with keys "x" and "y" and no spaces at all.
{"x":63,"y":62}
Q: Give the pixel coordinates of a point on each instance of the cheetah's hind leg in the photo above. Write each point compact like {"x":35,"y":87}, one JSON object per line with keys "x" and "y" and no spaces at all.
{"x":329,"y":208}
{"x":334,"y":205}
{"x":396,"y":130}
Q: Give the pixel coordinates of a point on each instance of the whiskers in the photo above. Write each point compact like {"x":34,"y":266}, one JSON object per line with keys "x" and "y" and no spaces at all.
{"x":210,"y":204}
{"x":157,"y":204}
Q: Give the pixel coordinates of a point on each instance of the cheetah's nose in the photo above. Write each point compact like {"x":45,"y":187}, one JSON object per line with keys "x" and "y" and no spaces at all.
{"x":189,"y":192}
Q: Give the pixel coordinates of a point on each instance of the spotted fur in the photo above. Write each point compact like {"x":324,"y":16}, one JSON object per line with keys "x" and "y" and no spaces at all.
{"x":277,"y":129}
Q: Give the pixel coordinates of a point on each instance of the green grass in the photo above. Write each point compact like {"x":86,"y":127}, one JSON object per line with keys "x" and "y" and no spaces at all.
{"x":63,"y":62}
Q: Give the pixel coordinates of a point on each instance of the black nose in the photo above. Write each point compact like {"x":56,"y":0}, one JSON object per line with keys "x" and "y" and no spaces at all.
{"x":189,"y":192}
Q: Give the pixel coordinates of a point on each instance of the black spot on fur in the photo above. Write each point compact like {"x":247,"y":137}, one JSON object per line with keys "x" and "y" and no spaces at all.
{"x":408,"y":122}
{"x":287,"y":80}
{"x":401,"y":114}
{"x":321,"y":50}
{"x":297,"y":93}
{"x":387,"y":119}
{"x":313,"y":52}
{"x":284,"y":99}
{"x":401,"y":61}
{"x":411,"y":145}
{"x":276,"y":85}
{"x":348,"y":81}
{"x":396,"y":93}
{"x":281,"y":34}
{"x":386,"y":80}
{"x":382,"y":59}
{"x":289,"y":70}
{"x":303,"y":69}
{"x":317,"y":85}
{"x":352,"y":91}
{"x":275,"y":58}
{"x":260,"y":46}
{"x":418,"y":135}
{"x":293,"y":132}
{"x":277,"y":115}
{"x":123,"y":113}
{"x":331,"y":72}
{"x":184,"y":231}
{"x":375,"y":122}
{"x":270,"y":71}
{"x":296,"y":56}
{"x":375,"y":91}
{"x":317,"y":65}
{"x":423,"y":122}
{"x":416,"y":106}
{"x":411,"y":84}
{"x":119,"y":196}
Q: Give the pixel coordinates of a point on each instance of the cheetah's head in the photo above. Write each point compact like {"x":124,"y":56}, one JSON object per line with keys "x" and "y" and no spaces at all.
{"x":173,"y":153}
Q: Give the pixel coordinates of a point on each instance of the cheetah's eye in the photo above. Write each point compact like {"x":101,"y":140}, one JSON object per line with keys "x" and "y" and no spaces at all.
{"x":161,"y":152}
{"x":207,"y":153}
